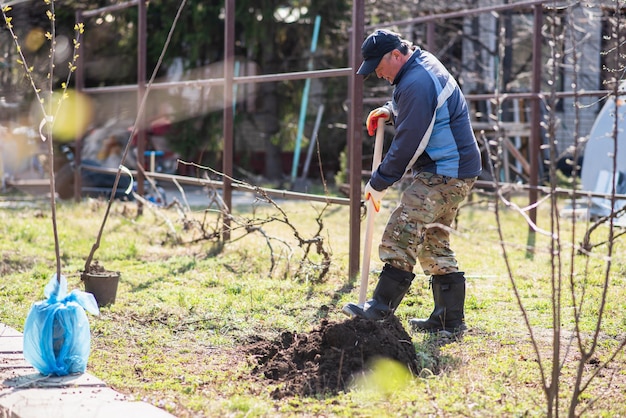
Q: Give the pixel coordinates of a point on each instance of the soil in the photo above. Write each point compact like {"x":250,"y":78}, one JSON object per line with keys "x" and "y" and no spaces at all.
{"x":325,"y":360}
{"x":96,"y":268}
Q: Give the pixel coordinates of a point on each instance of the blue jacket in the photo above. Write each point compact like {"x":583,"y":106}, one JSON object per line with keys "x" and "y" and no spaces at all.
{"x":433,"y":129}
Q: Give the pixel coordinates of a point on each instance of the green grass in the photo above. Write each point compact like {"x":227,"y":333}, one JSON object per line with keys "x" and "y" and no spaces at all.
{"x":184,"y":310}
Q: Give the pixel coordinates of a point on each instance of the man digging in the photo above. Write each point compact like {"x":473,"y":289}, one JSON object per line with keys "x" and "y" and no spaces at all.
{"x":434,"y":139}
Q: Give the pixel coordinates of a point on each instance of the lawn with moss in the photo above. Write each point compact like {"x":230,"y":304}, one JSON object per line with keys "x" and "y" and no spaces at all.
{"x":187,"y":304}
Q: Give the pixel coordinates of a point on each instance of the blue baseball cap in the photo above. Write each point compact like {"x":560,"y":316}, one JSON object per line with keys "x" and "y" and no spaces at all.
{"x":375,"y":47}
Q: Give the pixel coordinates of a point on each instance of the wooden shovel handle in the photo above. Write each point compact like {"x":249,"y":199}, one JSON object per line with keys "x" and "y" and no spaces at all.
{"x":369,"y":220}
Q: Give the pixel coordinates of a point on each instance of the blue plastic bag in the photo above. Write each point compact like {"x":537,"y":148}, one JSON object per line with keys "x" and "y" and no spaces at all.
{"x":57,"y":340}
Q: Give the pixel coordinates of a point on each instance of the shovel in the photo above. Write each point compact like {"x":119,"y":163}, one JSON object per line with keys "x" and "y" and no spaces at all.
{"x":370,"y":214}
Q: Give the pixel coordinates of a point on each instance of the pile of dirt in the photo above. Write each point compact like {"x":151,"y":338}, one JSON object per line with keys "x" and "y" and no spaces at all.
{"x":325,"y":360}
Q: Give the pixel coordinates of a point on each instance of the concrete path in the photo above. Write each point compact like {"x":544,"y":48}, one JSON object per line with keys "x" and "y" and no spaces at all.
{"x":25,"y":393}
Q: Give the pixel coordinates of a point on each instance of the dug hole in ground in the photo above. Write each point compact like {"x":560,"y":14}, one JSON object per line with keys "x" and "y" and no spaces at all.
{"x":330,"y":357}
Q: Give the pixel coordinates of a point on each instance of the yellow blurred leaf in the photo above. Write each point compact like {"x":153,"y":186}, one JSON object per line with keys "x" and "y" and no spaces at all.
{"x":386,"y":377}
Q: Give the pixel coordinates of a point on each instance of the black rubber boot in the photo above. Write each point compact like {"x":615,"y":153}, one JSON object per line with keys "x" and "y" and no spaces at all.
{"x":392,"y":285}
{"x":448,"y":317}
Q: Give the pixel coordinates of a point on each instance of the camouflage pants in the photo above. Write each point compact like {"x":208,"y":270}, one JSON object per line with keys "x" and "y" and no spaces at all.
{"x":418,"y":228}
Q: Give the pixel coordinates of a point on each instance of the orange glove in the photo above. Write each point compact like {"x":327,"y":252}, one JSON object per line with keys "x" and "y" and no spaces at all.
{"x":372,"y":119}
{"x":375,"y":195}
